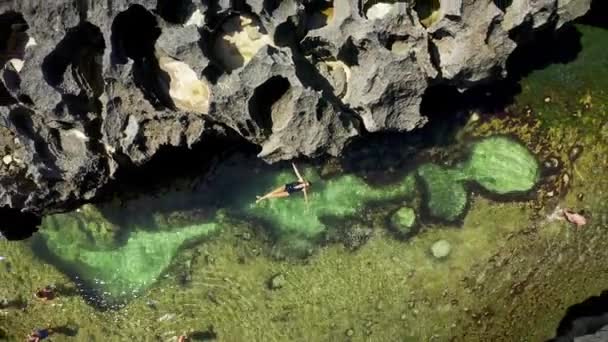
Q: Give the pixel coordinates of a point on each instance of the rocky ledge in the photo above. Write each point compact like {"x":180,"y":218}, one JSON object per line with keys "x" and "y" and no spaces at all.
{"x":88,"y":86}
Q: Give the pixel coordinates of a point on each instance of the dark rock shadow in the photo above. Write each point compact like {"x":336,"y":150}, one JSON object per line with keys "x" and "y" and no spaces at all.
{"x":175,"y":11}
{"x":137,"y":42}
{"x":597,"y":15}
{"x":18,"y":225}
{"x":584,"y":318}
{"x":78,"y":49}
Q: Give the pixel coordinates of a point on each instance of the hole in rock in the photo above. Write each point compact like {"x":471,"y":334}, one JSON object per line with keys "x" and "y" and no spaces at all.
{"x":503,"y":4}
{"x":319,"y":14}
{"x":264,"y":96}
{"x":349,"y":53}
{"x":81,"y":49}
{"x":397,"y":44}
{"x":13,"y":36}
{"x":18,"y":225}
{"x":175,"y":11}
{"x":583,"y":318}
{"x":429,"y":11}
{"x":137,"y":42}
{"x":237,"y":40}
{"x":134,"y":33}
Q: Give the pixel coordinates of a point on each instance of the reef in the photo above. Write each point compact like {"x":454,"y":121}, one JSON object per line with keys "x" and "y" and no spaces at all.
{"x":91,"y":87}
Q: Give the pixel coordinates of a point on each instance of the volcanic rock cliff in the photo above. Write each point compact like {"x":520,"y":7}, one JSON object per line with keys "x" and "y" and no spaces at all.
{"x":90,"y":86}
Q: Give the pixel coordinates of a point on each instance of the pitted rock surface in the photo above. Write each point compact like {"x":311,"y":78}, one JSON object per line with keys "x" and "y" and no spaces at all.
{"x":83,"y":92}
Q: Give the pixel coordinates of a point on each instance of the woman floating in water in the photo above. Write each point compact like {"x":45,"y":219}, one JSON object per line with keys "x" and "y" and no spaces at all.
{"x":288,"y":189}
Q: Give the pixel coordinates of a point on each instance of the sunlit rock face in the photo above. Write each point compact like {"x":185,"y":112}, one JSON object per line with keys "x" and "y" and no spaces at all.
{"x":240,"y":39}
{"x":294,"y":79}
{"x":188,"y":92}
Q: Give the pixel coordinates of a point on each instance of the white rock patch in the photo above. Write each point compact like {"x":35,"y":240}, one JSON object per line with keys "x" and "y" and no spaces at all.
{"x":380,"y":10}
{"x":240,"y":41}
{"x":197,"y":19}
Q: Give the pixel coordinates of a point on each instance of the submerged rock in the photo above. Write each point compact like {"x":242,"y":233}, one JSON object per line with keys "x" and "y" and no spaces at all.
{"x":501,"y":166}
{"x":277,"y":281}
{"x":403,"y":220}
{"x":88,"y":90}
{"x":441,"y":249}
{"x":446,"y":196}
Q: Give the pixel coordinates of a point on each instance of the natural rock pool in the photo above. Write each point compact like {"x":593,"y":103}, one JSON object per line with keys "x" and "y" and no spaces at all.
{"x":452,"y":242}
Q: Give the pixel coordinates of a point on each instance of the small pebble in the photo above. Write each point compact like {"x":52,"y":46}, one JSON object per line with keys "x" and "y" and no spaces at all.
{"x":547,"y":99}
{"x":277,"y":281}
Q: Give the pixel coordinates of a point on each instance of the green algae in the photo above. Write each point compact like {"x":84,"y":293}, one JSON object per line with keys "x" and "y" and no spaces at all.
{"x":446,"y":194}
{"x":114,"y":268}
{"x":404,"y":218}
{"x":571,"y":95}
{"x":502,"y":166}
{"x":498,"y":164}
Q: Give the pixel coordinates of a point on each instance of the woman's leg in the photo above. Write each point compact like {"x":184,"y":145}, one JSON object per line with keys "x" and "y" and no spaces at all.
{"x":273,"y":194}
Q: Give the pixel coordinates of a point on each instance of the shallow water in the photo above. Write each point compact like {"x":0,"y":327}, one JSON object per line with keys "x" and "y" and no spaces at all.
{"x":201,"y":257}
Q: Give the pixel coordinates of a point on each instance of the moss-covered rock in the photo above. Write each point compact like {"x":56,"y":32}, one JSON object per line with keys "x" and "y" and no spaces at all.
{"x":444,"y":189}
{"x":403,"y":220}
{"x":502,"y":166}
{"x":86,"y":227}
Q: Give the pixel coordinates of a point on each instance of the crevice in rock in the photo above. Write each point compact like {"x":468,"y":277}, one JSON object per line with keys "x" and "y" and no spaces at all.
{"x":264,"y":96}
{"x":6,"y":99}
{"x":21,"y":119}
{"x":394,"y":43}
{"x":83,"y":9}
{"x":428,"y":11}
{"x":271,"y":5}
{"x":318,"y":14}
{"x":503,"y":4}
{"x":134,"y":33}
{"x":18,"y":225}
{"x":435,"y":56}
{"x":583,"y":318}
{"x":349,"y":53}
{"x":81,"y":49}
{"x":175,"y":11}
{"x":137,"y":42}
{"x":13,"y":36}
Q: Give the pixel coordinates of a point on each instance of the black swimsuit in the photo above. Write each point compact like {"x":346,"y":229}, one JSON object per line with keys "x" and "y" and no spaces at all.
{"x":292,"y":187}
